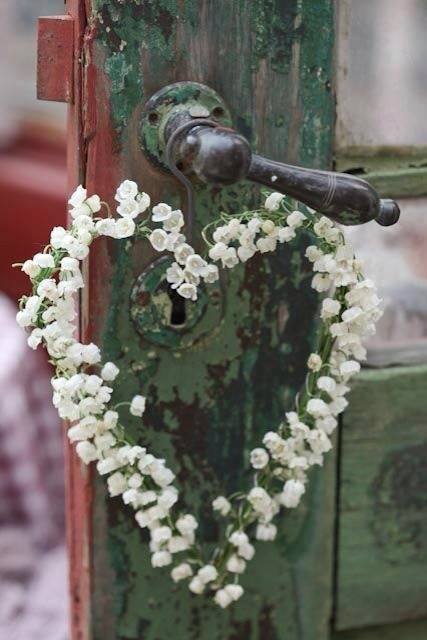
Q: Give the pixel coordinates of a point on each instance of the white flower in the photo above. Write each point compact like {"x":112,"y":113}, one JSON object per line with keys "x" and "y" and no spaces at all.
{"x":177,"y":544}
{"x":58,"y":236}
{"x":295,"y":219}
{"x":266,"y":532}
{"x":268,"y":227}
{"x":175,"y":221}
{"x":186,"y":525}
{"x":175,"y":275}
{"x":195,"y":264}
{"x":322,"y":227}
{"x":83,"y":223}
{"x":128,"y":209}
{"x":286,"y":234}
{"x":143,"y":200}
{"x":161,"y":559}
{"x":94,"y":203}
{"x":254,"y":225}
{"x":44,"y":260}
{"x":168,"y":498}
{"x":273,"y":201}
{"x":319,"y":441}
{"x":181,"y":572}
{"x":330,"y":308}
{"x":208,"y":573}
{"x":31,"y":268}
{"x":235,"y":564}
{"x":292,"y":493}
{"x":124,"y":228}
{"x":222,"y":598}
{"x":162,"y":476}
{"x":106,"y":227}
{"x":210,"y":273}
{"x":317,"y":408}
{"x":109,"y":371}
{"x":77,"y":250}
{"x":48,"y":289}
{"x":238,"y":538}
{"x":86,"y":451}
{"x":69,"y":264}
{"x":196,"y":585}
{"x":222,"y":505}
{"x":78,"y":197}
{"x":321,"y":282}
{"x":127,"y":190}
{"x":259,"y":458}
{"x":327,"y":424}
{"x":24,"y":318}
{"x":161,"y":534}
{"x":218,"y":251}
{"x":137,"y":406}
{"x":221,"y":234}
{"x":260,"y":500}
{"x":108,"y":464}
{"x":230,"y":259}
{"x":246,"y":551}
{"x":91,"y":353}
{"x":246,"y":253}
{"x":349,"y":368}
{"x":187,"y":290}
{"x":264,"y":245}
{"x":116,"y":484}
{"x":235,"y":591}
{"x":174,"y":241}
{"x":313,"y":253}
{"x":161,"y":212}
{"x":326,"y":383}
{"x":35,"y":338}
{"x":182,"y":252}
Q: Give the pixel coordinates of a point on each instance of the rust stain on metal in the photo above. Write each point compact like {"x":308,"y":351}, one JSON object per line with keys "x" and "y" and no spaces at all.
{"x":55,"y":57}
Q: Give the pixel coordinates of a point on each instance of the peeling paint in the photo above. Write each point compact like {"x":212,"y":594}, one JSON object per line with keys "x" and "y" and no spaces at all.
{"x":212,"y":398}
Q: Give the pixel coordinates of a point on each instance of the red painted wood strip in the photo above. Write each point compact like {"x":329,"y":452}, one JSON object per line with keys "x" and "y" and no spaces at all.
{"x":55,"y":55}
{"x":79,"y":488}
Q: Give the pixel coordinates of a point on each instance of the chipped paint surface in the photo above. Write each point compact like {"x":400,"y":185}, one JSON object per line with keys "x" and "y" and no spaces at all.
{"x":382,"y":561}
{"x":211,"y":399}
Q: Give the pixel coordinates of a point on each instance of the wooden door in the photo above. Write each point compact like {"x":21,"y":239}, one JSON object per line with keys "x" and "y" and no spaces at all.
{"x":218,"y":386}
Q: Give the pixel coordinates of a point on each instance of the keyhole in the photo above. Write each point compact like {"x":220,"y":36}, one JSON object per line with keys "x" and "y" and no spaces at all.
{"x":178,"y":312}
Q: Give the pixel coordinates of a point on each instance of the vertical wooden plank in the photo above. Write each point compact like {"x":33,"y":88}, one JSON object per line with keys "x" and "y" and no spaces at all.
{"x":211,"y":402}
{"x":382,"y":548}
{"x":79,"y":491}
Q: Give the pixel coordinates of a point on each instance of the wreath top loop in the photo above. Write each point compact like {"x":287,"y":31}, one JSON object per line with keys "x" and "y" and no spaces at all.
{"x":82,"y":384}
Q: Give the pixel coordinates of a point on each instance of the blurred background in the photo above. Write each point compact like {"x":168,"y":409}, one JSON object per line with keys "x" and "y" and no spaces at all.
{"x":33,"y":574}
{"x":381,"y":134}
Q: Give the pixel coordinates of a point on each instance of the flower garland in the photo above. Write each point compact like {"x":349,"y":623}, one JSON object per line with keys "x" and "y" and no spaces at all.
{"x":82,"y":384}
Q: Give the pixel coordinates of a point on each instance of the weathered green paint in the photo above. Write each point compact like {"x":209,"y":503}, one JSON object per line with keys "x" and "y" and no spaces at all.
{"x":405,"y":631}
{"x":170,"y":102}
{"x":395,"y":172}
{"x":211,"y":399}
{"x":382,"y":542}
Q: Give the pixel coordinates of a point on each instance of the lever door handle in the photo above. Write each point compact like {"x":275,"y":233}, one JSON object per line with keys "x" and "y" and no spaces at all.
{"x":221,"y":156}
{"x":185,"y":129}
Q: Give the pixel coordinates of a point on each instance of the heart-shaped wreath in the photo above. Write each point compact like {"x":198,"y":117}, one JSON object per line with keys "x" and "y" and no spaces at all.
{"x":82,"y":391}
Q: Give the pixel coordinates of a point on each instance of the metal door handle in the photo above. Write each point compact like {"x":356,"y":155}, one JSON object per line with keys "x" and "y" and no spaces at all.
{"x":219,"y":155}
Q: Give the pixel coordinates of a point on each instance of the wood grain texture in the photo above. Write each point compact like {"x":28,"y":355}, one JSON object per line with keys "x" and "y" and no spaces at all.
{"x":79,"y":487}
{"x":382,"y":543}
{"x":210,"y":403}
{"x":405,"y":631}
{"x":55,"y":57}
